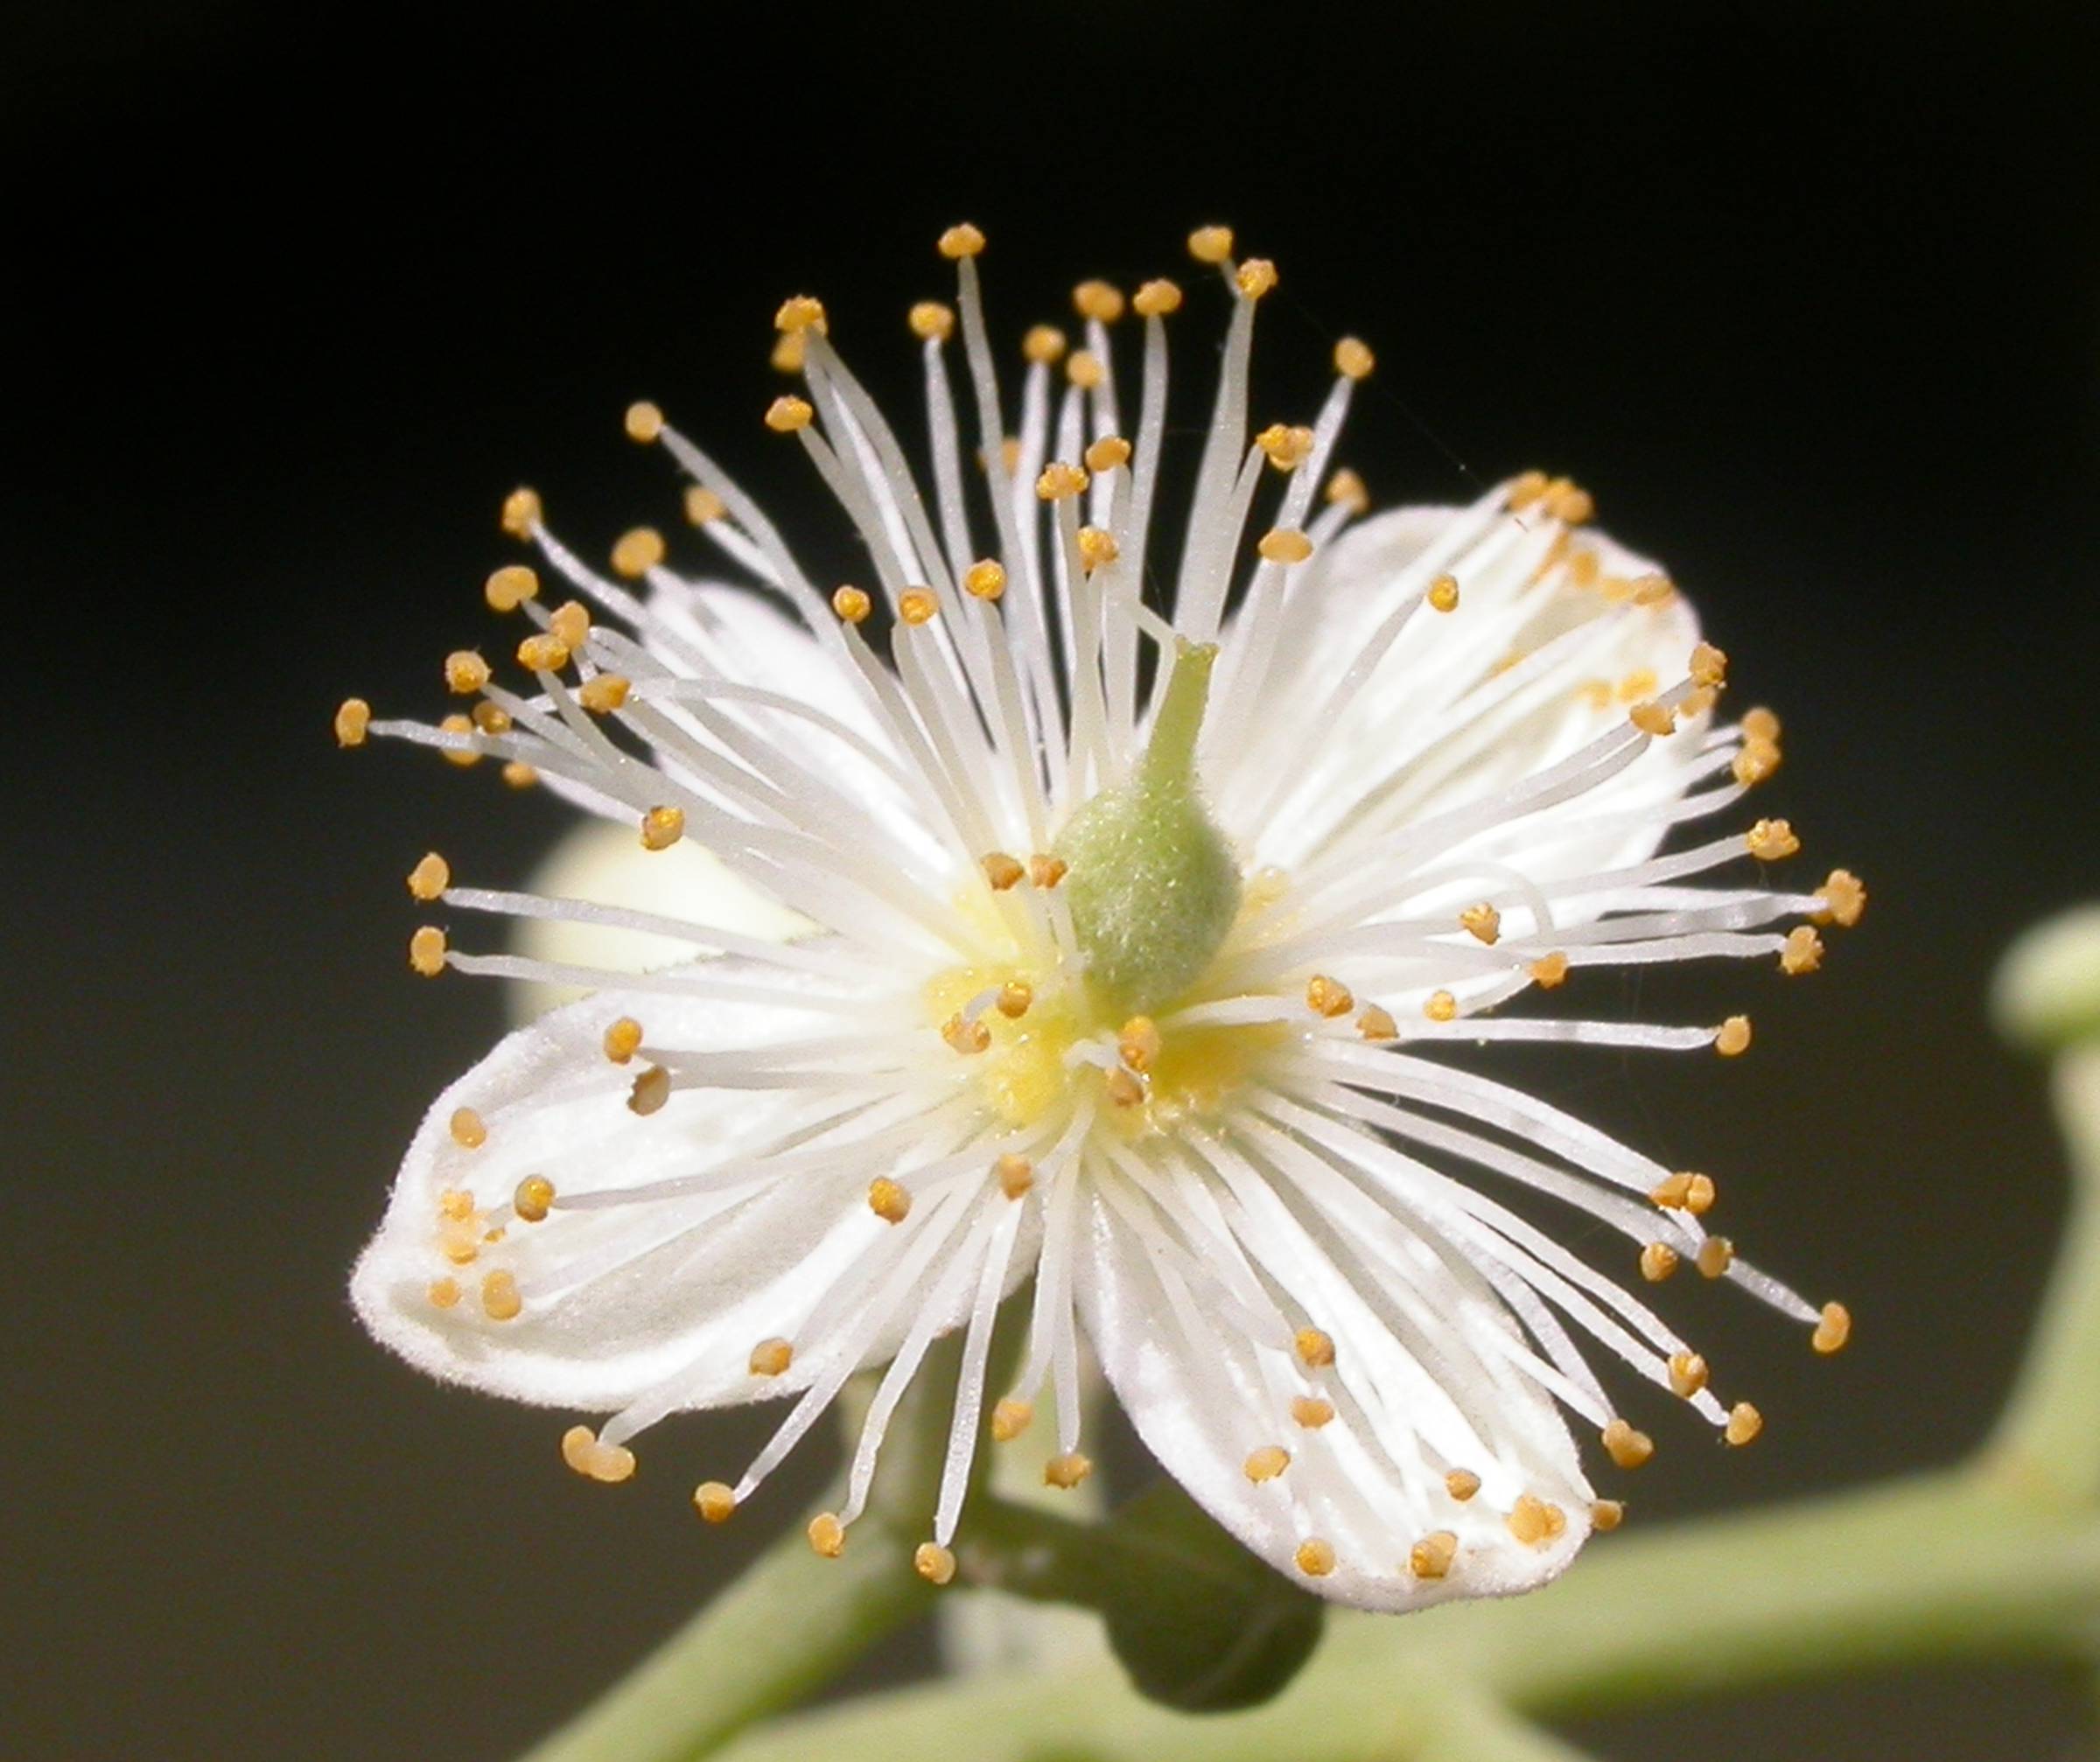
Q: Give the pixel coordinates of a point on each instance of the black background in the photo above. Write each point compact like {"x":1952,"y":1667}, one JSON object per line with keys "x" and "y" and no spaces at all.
{"x":1811,"y":305}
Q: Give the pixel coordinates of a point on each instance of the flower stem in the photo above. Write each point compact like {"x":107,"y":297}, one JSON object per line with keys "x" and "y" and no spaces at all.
{"x":2048,"y":1440}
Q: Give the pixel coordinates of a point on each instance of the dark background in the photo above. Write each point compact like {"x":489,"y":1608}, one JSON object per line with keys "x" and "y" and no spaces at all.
{"x":1813,"y":307}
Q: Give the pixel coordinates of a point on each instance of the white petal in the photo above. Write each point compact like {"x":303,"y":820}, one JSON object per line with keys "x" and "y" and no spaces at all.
{"x":1205,"y":1395}
{"x":619,"y":1298}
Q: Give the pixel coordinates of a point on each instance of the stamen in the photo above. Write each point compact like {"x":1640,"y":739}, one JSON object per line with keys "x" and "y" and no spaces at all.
{"x":353,"y":719}
{"x":1843,"y":897}
{"x":1310,"y":1411}
{"x":663,"y":827}
{"x":1769,"y":840}
{"x":443,"y":1293}
{"x":1014,"y":998}
{"x":888,"y":1200}
{"x":1210,"y":244}
{"x":1658,"y":1262}
{"x":1010,"y":1418}
{"x":931,"y":321}
{"x":1745,"y":1422}
{"x":1605,"y":1515}
{"x":636,"y":552}
{"x":1315,"y":1557}
{"x":715,"y":1501}
{"x":786,"y":416}
{"x":1015,"y":1175}
{"x":1687,"y":1374}
{"x":1107,"y":454}
{"x":534,"y":1196}
{"x":1733,"y":1038}
{"x":1628,"y":1448}
{"x":426,"y":951}
{"x":649,"y":1091}
{"x":702,"y":505}
{"x":644,"y":422}
{"x":623,"y":1039}
{"x":934,"y":1562}
{"x":1159,"y":297}
{"x":1353,"y":360}
{"x":1285,"y":546}
{"x":1461,"y":1483}
{"x":1329,"y":998}
{"x":772,"y":1358}
{"x":827,"y":1535}
{"x":1315,"y":1348}
{"x":500,"y":1298}
{"x":1833,"y":1330}
{"x":430,"y":877}
{"x":1716,"y":1255}
{"x":1268,"y":1462}
{"x":1431,"y":1558}
{"x":1376,"y":1024}
{"x":1482,"y":921}
{"x":1687,"y":1193}
{"x":1549,"y":970}
{"x":522,"y":512}
{"x":961,"y":240}
{"x":1001,"y":871}
{"x":610,"y":1463}
{"x":1139,"y":1043}
{"x":1444,"y":594}
{"x":1065,"y":1472}
{"x":467,"y":1129}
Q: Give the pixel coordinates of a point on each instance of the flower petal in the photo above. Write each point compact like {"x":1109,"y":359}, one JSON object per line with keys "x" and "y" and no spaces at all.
{"x":1425,"y":1383}
{"x":749,"y":1204}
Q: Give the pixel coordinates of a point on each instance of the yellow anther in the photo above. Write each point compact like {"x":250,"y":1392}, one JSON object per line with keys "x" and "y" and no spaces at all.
{"x":1769,"y":840}
{"x":1138,"y":1045}
{"x":827,"y":1535}
{"x":1107,"y":453}
{"x":851,"y":605}
{"x":1431,"y":1557}
{"x":1001,"y":871}
{"x":500,"y":1298}
{"x":1685,"y":1193}
{"x":1564,"y":501}
{"x":1444,"y":594}
{"x":1010,"y":454}
{"x":1441,"y":1007}
{"x":1708,"y":666}
{"x":520,"y":775}
{"x":966,"y":1034}
{"x":1658,"y":1262}
{"x":1158,"y":297}
{"x":1716,"y":1255}
{"x":582,"y":1450}
{"x":569,"y":624}
{"x":1376,"y":1024}
{"x":426,"y":951}
{"x":1097,"y":300}
{"x":465,"y":673}
{"x":443,"y":1293}
{"x":1066,"y":1470}
{"x":962,"y":241}
{"x":1315,"y":1558}
{"x":1526,"y":488}
{"x":507,"y":588}
{"x":1047,"y":872}
{"x":1653,"y":590}
{"x":800,"y":312}
{"x":917,"y":606}
{"x":1695,"y":704}
{"x":1535,"y":1521}
{"x":931,"y":321}
{"x":1286,"y":447}
{"x":1756,"y":761}
{"x":1626,"y":1447}
{"x":702,"y":505}
{"x":772,"y":1358}
{"x":1353,"y":358}
{"x":604,"y":693}
{"x":984,"y":580}
{"x":533,"y":1196}
{"x":490,"y":718}
{"x":1123,"y":1087}
{"x":352,"y":722}
{"x":1584,"y":569}
{"x":1060,"y":481}
{"x":1285,"y":544}
{"x":637,"y":552}
{"x":1314,"y":1348}
{"x":1605,"y":1515}
{"x":1085,"y":369}
{"x":644,"y":422}
{"x":1265,"y":1464}
{"x":1310,"y":1411}
{"x":1833,"y":1330}
{"x":888,"y":1200}
{"x":1210,"y":244}
{"x":1482,"y":922}
{"x":663,"y":827}
{"x":1802,"y":952}
{"x":1759,"y":725}
{"x":715,"y":1500}
{"x":463,"y":757}
{"x":649,"y":1091}
{"x":785,"y":414}
{"x":1015,"y":1175}
{"x":1652,"y":717}
{"x":1015,"y":995}
{"x":1843,"y":897}
{"x":542,"y":653}
{"x":1329,"y":998}
{"x":1010,"y":1418}
{"x":1687,"y":1374}
{"x":623,"y":1039}
{"x":522,"y":512}
{"x":1732,"y":1038}
{"x":1745,"y":1422}
{"x":1256,"y":277}
{"x":933,"y":1562}
{"x":1097,"y":548}
{"x":1345,"y":489}
{"x":1461,"y":1483}
{"x":1549,"y":970}
{"x":790,"y":350}
{"x":1043,"y":344}
{"x":455,"y":1205}
{"x":467,"y":1129}
{"x":430,"y":877}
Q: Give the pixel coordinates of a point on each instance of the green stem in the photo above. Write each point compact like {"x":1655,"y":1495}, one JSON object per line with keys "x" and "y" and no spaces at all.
{"x":1940,"y":1567}
{"x":2048,"y":1440}
{"x":784,"y":1629}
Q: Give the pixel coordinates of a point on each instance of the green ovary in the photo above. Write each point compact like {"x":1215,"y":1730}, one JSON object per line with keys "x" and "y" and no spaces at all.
{"x":1152,"y":884}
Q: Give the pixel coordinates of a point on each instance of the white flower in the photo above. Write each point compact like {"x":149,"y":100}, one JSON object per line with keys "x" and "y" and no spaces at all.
{"x":1149,"y":959}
